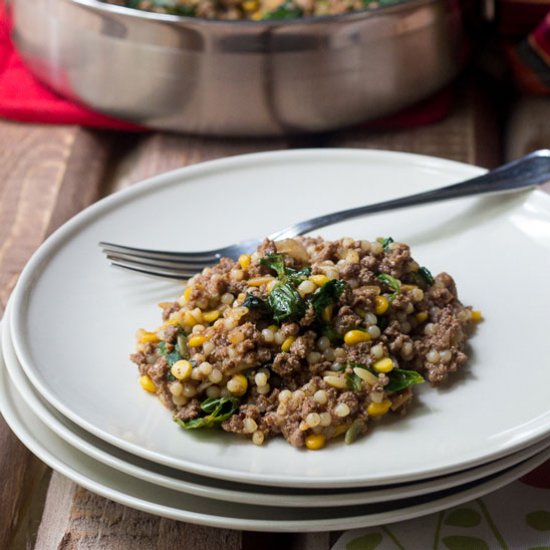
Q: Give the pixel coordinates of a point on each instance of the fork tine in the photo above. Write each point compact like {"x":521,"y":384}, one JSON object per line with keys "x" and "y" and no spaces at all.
{"x":202,"y":256}
{"x":172,"y":263}
{"x":174,"y":274}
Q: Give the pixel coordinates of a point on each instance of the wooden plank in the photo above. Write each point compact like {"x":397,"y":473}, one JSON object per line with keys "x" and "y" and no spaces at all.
{"x":154,"y":154}
{"x":468,"y":134}
{"x":76,"y":518}
{"x":35,"y":171}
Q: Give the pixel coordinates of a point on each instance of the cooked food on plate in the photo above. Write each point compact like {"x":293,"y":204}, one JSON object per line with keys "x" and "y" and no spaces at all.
{"x":306,"y":338}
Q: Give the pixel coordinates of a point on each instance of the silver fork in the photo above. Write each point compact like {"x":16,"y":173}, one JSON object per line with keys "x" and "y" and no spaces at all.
{"x":523,"y":173}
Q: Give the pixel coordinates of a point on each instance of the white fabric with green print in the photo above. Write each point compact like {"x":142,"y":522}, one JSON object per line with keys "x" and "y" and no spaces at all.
{"x":516,"y":517}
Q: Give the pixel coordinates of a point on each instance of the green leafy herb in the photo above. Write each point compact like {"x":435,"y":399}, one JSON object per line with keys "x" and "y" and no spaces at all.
{"x":391,"y":282}
{"x":276,"y":262}
{"x":330,"y":333}
{"x":172,"y":356}
{"x":385,"y":242}
{"x":426,"y":276}
{"x":218,"y":410}
{"x":354,"y":431}
{"x":401,"y":379}
{"x":353,"y":382}
{"x":328,"y":294}
{"x":168,"y":6}
{"x":284,"y":11}
{"x":296,"y":277}
{"x":285,"y":302}
{"x":255,"y":303}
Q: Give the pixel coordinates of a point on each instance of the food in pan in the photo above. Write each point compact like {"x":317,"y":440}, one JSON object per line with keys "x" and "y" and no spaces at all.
{"x":265,"y":10}
{"x":306,"y":338}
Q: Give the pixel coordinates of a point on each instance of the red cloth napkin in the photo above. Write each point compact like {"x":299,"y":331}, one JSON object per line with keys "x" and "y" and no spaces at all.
{"x":24,"y":98}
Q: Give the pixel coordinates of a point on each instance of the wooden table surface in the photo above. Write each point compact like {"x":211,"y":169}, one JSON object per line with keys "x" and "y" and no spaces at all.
{"x":49,"y":173}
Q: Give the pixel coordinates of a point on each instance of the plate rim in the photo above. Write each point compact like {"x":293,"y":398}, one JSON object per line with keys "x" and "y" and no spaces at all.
{"x":270,"y":525}
{"x":180,"y":175}
{"x":382,"y":493}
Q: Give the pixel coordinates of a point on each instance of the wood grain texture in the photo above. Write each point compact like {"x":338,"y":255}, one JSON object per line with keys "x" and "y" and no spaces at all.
{"x":141,"y":157}
{"x":35,"y":171}
{"x":468,"y":134}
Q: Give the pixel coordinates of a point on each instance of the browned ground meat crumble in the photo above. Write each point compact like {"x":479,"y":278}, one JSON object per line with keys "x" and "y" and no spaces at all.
{"x":305,"y":338}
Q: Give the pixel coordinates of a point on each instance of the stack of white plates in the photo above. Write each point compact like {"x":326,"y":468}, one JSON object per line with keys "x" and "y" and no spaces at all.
{"x":70,"y":393}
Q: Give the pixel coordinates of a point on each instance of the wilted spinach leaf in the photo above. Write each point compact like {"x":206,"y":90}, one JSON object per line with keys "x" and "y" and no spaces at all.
{"x":284,"y":11}
{"x":285,"y":302}
{"x":385,"y":242}
{"x":426,"y":276}
{"x":328,"y":294}
{"x":171,"y":356}
{"x":218,"y":409}
{"x":353,"y":382}
{"x":401,"y":379}
{"x":275,"y":262}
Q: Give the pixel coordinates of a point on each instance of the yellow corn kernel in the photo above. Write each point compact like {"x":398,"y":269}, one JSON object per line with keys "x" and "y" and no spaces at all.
{"x":238,"y":384}
{"x":379,"y":409}
{"x":381,"y":305}
{"x":187,"y":293}
{"x":314,"y":442}
{"x":173,"y":321}
{"x":319,"y":280}
{"x":273,"y":328}
{"x":210,"y":316}
{"x":355,"y":336}
{"x":250,"y":5}
{"x":476,"y":316}
{"x":144,"y":337}
{"x":188,"y":319}
{"x":245,"y":259}
{"x":259,"y":281}
{"x":147,"y":384}
{"x":285,"y":346}
{"x":383,"y":365}
{"x":421,"y":316}
{"x":197,"y":340}
{"x":182,"y":369}
{"x":326,"y":315}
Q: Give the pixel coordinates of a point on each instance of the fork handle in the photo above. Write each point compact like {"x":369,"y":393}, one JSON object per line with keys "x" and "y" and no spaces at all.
{"x":523,"y":173}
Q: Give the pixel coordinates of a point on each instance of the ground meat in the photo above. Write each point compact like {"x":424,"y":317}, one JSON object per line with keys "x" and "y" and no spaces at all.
{"x":396,"y":260}
{"x":320,"y":356}
{"x":189,"y":411}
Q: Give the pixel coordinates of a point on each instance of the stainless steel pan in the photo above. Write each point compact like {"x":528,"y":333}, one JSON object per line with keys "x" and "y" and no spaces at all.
{"x":240,"y":78}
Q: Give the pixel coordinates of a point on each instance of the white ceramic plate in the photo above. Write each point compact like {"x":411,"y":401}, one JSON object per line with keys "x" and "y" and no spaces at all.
{"x":224,"y":490}
{"x":75,"y":318}
{"x":145,"y":496}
